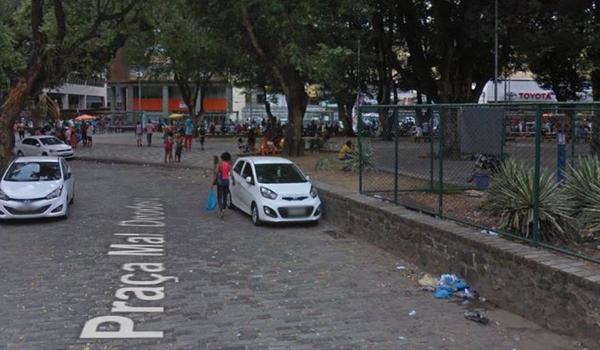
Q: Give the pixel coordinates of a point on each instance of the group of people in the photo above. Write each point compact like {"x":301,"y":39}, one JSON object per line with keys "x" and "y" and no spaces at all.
{"x":174,"y":137}
{"x":71,"y":132}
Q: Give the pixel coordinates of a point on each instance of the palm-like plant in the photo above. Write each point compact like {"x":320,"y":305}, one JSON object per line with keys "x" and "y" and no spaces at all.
{"x":583,"y":192}
{"x":361,"y":156}
{"x":511,"y":199}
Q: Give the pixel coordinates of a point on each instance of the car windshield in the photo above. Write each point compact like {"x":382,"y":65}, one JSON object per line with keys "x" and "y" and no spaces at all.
{"x":33,"y":171}
{"x":51,"y":141}
{"x":278,"y":174}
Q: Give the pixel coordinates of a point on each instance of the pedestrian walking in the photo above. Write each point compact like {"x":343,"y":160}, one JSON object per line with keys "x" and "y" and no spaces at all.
{"x":84,"y":129}
{"x":168,"y":145}
{"x":202,"y":135}
{"x":222,"y":178}
{"x":251,"y":140}
{"x":139,"y":131}
{"x":179,"y":140}
{"x":21,"y":130}
{"x":90,"y":133}
{"x":149,"y":131}
{"x":189,"y":134}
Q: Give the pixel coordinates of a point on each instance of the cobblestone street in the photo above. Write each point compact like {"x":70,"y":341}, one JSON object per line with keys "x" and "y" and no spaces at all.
{"x":240,"y":286}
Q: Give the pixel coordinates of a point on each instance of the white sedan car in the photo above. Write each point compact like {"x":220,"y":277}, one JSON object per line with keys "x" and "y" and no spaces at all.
{"x":273,"y":189}
{"x":43,"y":146}
{"x":36,"y":187}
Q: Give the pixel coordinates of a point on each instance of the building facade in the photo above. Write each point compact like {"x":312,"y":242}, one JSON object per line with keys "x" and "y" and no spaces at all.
{"x":132,"y":92}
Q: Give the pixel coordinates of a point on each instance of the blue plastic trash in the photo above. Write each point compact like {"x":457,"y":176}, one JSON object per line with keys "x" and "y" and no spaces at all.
{"x":211,"y":202}
{"x":448,"y":285}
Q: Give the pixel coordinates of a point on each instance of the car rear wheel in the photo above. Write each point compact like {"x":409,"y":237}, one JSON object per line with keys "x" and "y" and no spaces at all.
{"x":20,"y":154}
{"x":255,"y":216}
{"x":44,"y":154}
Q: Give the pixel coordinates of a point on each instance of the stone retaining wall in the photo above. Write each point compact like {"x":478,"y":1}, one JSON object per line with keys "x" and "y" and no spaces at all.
{"x":555,"y":291}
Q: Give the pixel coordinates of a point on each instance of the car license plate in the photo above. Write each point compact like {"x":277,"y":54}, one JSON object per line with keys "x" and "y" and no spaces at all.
{"x":296,"y":211}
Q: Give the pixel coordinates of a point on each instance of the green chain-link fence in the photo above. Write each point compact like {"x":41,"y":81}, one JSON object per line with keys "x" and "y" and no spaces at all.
{"x":450,"y":161}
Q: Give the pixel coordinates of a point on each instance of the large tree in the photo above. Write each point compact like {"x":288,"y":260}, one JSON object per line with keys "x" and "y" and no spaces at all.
{"x":279,"y":37}
{"x":451,"y":52}
{"x":184,"y":47}
{"x":55,"y":38}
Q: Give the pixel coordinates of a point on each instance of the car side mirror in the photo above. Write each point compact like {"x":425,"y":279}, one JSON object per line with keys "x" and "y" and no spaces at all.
{"x":307,"y":177}
{"x":249,"y":180}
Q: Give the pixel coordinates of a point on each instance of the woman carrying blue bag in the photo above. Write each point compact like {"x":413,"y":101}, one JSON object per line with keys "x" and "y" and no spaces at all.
{"x":222,"y":179}
{"x":211,"y":203}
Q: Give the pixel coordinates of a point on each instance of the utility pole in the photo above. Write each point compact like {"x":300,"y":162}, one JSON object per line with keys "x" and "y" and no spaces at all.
{"x":496,"y":51}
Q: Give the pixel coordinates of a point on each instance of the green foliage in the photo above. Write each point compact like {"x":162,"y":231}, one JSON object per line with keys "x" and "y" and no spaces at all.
{"x":361,"y":156}
{"x":511,"y":199}
{"x":582,"y":189}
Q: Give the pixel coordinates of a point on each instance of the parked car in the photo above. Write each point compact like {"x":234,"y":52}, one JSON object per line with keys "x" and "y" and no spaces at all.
{"x":274,"y":189}
{"x":36,"y":187}
{"x":43,"y":146}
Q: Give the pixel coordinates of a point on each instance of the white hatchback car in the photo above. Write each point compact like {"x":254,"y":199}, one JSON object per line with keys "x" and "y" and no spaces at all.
{"x":36,"y":187}
{"x":273,"y":189}
{"x":43,"y":146}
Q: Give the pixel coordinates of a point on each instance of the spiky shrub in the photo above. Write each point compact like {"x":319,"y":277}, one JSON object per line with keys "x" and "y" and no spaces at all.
{"x":583,"y":192}
{"x":361,"y":156}
{"x":510,"y":198}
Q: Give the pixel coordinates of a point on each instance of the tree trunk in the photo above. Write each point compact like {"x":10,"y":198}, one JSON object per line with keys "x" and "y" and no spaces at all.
{"x":297,"y":100}
{"x":345,"y":106}
{"x":451,"y":147}
{"x":270,"y":116}
{"x":13,"y":105}
{"x":200,"y":116}
{"x":595,"y":144}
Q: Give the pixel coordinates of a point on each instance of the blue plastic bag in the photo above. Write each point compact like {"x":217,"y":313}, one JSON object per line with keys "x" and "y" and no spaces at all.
{"x":211,"y":202}
{"x":448,"y":285}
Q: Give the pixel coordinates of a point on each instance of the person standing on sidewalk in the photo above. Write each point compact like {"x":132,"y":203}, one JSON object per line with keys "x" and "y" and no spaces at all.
{"x":222,"y":180}
{"x":139,"y":131}
{"x":168,"y":144}
{"x":149,"y":131}
{"x":178,"y":146}
{"x":189,"y":134}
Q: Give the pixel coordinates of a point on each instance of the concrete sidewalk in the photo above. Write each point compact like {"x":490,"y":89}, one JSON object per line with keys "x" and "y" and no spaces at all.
{"x":121,"y":148}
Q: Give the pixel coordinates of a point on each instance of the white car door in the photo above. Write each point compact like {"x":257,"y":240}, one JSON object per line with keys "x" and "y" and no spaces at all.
{"x":237,"y":171}
{"x":245,"y":187}
{"x":27,"y":147}
{"x":69,"y":181}
{"x":37,"y":148}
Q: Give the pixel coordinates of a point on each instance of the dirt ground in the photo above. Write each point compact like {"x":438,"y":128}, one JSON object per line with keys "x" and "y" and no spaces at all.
{"x":462,"y":205}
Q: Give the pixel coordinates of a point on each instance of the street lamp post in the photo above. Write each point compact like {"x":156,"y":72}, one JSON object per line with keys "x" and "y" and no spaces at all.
{"x":139,"y":75}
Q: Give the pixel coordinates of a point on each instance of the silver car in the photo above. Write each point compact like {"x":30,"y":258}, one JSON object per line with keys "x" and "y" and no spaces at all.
{"x":36,"y":187}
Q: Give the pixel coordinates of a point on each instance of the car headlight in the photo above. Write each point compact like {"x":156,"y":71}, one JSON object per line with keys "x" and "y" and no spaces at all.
{"x":54,"y":194}
{"x":267,"y":193}
{"x":3,"y":196}
{"x":313,"y":192}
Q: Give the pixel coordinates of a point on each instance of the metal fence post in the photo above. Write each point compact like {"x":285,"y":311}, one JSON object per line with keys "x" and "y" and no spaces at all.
{"x":536,"y":176}
{"x":359,"y":127}
{"x":431,"y":149}
{"x":573,"y":135}
{"x":503,"y":136}
{"x":441,"y":163}
{"x":395,"y":129}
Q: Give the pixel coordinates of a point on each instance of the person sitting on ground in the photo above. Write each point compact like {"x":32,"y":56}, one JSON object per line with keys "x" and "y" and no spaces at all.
{"x":242,"y":148}
{"x":345,"y":152}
